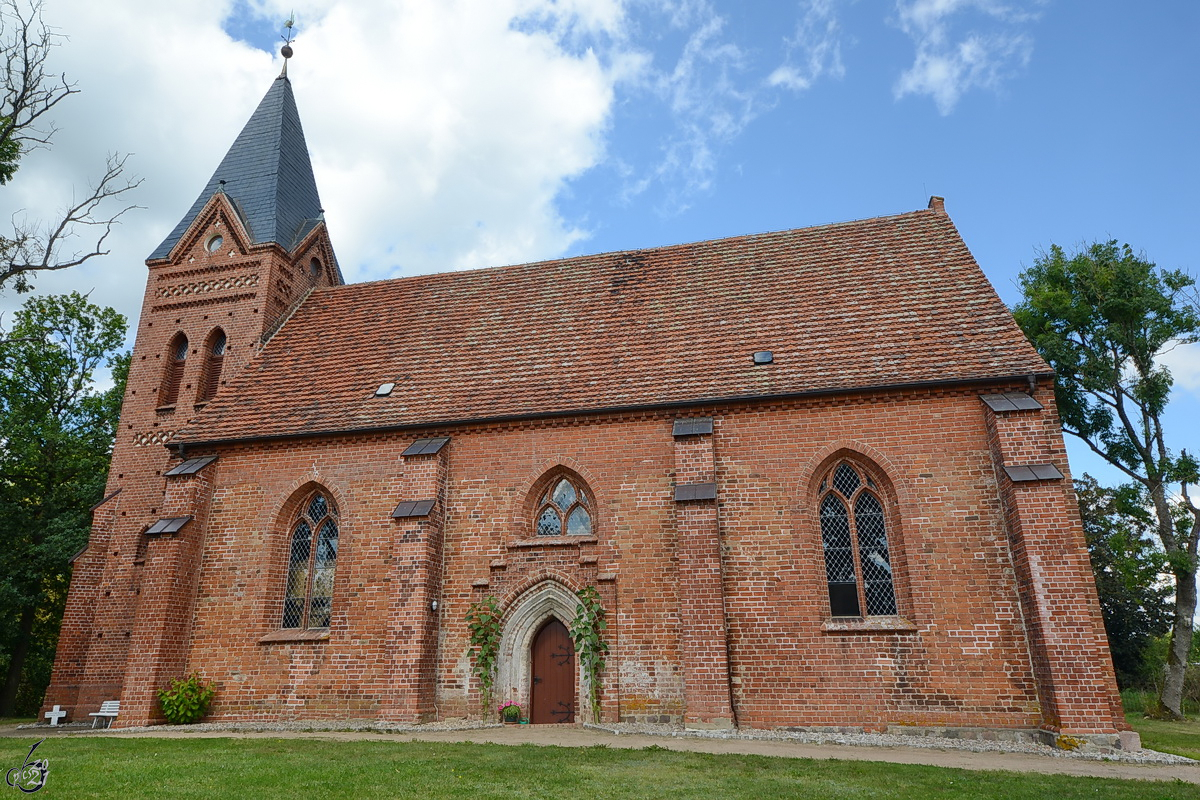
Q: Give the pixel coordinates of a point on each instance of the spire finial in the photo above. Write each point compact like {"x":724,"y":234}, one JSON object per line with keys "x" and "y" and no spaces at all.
{"x":288,"y":38}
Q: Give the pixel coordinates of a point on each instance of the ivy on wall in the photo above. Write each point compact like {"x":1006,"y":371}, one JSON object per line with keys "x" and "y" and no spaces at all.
{"x":483,"y":621}
{"x":587,"y":633}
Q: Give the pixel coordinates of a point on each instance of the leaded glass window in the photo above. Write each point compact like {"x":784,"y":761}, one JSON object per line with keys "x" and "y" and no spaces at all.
{"x":309,"y":595}
{"x":563,"y":510}
{"x":858,"y":564}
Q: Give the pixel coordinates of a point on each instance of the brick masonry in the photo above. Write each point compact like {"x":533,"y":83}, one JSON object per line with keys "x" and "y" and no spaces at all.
{"x":718,"y":609}
{"x":246,"y":291}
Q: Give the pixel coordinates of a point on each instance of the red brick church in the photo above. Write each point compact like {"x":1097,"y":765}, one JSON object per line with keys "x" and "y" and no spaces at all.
{"x":816,"y":476}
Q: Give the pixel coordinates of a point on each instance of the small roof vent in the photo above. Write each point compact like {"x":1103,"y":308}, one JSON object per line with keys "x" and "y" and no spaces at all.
{"x":764,"y":357}
{"x":384,"y":389}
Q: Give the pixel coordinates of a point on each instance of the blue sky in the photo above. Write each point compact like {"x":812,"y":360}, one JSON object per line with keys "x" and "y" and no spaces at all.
{"x":475,"y":132}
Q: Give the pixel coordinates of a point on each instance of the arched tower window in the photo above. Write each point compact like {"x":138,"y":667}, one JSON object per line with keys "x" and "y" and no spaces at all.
{"x":858,"y":565}
{"x":563,"y":510}
{"x":173,"y":373}
{"x":215,"y":350}
{"x":313,"y":559}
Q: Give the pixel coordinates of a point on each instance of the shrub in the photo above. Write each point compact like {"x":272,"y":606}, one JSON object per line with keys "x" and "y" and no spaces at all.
{"x":187,"y":700}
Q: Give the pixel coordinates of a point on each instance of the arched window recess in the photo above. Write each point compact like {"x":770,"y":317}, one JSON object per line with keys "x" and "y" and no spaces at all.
{"x":215,"y":361}
{"x":173,"y":371}
{"x":308,"y":600}
{"x":858,"y":563}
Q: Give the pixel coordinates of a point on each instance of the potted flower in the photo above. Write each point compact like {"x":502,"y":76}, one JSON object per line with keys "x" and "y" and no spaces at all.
{"x":510,"y":713}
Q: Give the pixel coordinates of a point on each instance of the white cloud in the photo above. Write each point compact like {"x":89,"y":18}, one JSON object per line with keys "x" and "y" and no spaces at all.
{"x":1184,"y":363}
{"x":951,"y":61}
{"x":710,"y":98}
{"x":441,"y":133}
{"x":817,"y":43}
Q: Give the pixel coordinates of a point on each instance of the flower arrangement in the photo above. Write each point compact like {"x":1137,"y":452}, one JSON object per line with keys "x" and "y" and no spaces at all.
{"x":509,"y":712}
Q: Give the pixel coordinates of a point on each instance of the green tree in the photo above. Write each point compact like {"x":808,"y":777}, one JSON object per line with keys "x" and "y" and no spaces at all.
{"x":56,"y":434}
{"x":1102,"y":317}
{"x":29,"y":93}
{"x":1128,"y":567}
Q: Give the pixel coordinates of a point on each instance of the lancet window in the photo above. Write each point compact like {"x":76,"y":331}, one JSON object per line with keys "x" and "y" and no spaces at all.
{"x":314,"y":549}
{"x":215,"y":350}
{"x":173,"y":372}
{"x":858,"y":564}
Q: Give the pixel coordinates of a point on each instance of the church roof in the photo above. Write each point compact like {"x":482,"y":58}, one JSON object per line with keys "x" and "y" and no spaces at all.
{"x":267,"y":174}
{"x":888,"y":301}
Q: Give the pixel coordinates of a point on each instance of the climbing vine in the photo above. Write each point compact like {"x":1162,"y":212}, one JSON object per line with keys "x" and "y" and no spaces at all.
{"x":587,"y":632}
{"x":483,"y":620}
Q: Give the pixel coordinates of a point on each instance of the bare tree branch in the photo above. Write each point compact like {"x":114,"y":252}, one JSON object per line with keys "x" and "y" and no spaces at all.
{"x":35,"y":247}
{"x":29,"y":91}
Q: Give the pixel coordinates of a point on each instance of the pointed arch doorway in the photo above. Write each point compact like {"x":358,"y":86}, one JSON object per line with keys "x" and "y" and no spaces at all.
{"x":552,"y":674}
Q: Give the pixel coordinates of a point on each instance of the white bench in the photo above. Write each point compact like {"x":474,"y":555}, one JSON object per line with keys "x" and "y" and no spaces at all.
{"x":108,"y":711}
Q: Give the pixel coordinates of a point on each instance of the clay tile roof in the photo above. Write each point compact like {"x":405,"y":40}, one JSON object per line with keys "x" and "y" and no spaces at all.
{"x":884,"y":301}
{"x":268,"y":176}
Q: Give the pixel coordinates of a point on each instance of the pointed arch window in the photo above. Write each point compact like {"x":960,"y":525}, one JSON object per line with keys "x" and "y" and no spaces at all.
{"x":173,"y":373}
{"x":215,"y":350}
{"x":314,"y":547}
{"x":858,"y":564}
{"x":564,"y":510}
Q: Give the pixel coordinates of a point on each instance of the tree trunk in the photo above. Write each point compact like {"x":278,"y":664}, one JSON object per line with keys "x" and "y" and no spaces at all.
{"x":1171,"y":700}
{"x":8,"y":700}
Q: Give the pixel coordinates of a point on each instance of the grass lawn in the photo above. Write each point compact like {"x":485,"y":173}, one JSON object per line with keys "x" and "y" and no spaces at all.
{"x":300,"y":768}
{"x":1180,"y":738}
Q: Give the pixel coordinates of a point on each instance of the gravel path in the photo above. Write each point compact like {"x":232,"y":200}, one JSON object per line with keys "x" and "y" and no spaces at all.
{"x":959,"y":753}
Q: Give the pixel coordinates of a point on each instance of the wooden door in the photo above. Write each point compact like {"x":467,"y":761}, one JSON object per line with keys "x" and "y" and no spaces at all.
{"x":552,"y":695}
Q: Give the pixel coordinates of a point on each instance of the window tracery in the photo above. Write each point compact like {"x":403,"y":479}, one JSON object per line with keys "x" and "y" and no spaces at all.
{"x":563,"y":510}
{"x":314,"y":546}
{"x":858,"y":564}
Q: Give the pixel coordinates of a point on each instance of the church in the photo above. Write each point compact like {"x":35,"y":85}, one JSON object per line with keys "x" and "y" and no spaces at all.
{"x":815,"y":477}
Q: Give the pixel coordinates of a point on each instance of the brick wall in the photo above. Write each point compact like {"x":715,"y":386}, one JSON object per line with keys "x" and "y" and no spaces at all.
{"x":241,"y":289}
{"x":959,"y":655}
{"x":718,"y":609}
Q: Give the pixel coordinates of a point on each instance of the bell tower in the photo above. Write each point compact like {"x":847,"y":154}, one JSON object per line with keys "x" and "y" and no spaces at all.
{"x":250,"y":249}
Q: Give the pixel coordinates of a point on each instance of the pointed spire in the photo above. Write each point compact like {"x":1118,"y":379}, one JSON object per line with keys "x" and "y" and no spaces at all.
{"x":266,"y":174}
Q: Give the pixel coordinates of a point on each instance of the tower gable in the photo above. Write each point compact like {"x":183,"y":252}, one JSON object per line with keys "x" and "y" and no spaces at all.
{"x":267,"y":176}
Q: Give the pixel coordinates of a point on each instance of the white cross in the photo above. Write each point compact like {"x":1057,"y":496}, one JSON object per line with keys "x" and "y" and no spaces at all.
{"x":55,"y":715}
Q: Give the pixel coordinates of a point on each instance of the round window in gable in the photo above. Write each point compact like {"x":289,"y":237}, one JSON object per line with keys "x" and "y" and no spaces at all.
{"x":214,"y":243}
{"x":314,"y":267}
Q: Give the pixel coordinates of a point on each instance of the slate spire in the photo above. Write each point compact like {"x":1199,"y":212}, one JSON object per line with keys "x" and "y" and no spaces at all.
{"x":266,"y":174}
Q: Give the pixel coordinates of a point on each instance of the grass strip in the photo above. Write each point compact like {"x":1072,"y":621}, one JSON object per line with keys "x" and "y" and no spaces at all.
{"x":217,"y":768}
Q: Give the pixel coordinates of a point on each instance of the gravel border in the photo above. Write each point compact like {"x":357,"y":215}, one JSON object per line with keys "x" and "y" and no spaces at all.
{"x":897,"y":740}
{"x":661,"y":730}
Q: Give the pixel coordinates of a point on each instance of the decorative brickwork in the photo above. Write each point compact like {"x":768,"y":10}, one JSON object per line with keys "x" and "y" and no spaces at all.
{"x":637,"y":439}
{"x":111,"y":579}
